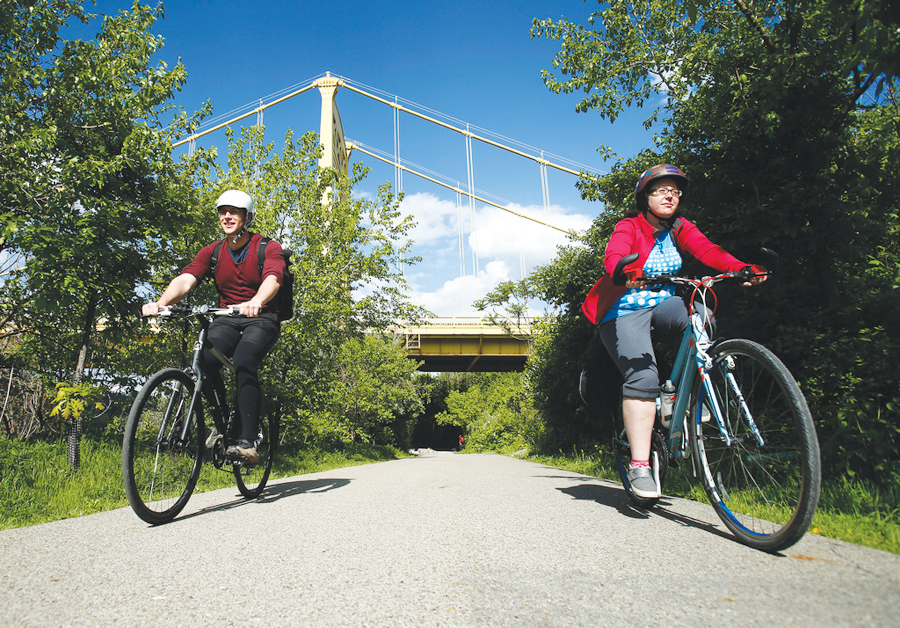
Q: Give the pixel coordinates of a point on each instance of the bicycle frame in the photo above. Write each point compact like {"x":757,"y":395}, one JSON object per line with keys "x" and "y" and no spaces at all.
{"x":692,"y":361}
{"x":683,"y":374}
{"x":198,"y":374}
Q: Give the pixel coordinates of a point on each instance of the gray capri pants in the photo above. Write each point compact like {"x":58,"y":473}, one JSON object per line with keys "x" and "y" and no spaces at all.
{"x":627,"y":339}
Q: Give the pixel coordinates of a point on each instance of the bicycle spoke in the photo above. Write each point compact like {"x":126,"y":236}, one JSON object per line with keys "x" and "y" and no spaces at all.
{"x":160,"y":470}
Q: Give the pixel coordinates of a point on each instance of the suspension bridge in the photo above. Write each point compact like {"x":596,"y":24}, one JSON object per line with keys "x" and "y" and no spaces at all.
{"x":456,"y":344}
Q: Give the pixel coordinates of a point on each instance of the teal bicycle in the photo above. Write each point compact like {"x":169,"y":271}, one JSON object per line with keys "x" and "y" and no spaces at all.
{"x":741,"y":419}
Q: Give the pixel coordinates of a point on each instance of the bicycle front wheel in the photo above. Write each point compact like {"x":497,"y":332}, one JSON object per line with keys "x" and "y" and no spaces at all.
{"x":160,"y":467}
{"x":760,"y":467}
{"x":252,"y":480}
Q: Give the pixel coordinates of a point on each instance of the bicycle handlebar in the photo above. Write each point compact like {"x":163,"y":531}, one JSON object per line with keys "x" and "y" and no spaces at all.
{"x":620,"y":276}
{"x":197,"y":310}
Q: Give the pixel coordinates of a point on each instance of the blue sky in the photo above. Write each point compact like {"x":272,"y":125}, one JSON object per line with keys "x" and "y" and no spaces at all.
{"x":474,"y":61}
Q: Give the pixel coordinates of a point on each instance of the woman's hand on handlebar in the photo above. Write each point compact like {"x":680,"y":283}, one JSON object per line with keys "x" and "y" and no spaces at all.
{"x":640,"y":284}
{"x":755,"y":280}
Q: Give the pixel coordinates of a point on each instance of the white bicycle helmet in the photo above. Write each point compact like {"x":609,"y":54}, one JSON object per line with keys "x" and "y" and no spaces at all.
{"x":239,"y":199}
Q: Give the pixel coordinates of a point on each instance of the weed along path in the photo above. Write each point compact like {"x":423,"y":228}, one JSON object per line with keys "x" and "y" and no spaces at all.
{"x":437,"y":540}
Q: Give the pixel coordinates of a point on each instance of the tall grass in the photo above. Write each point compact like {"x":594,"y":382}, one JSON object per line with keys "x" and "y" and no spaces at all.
{"x":37,"y":485}
{"x":849,"y":510}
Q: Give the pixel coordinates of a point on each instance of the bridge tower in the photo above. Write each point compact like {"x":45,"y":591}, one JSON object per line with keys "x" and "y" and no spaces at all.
{"x":335,"y":153}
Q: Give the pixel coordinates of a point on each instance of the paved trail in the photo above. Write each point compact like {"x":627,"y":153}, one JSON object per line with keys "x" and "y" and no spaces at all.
{"x":437,"y":540}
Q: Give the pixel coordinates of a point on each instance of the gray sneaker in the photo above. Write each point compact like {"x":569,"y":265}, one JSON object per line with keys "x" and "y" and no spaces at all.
{"x":642,"y":482}
{"x":244,"y":451}
{"x":213,"y":439}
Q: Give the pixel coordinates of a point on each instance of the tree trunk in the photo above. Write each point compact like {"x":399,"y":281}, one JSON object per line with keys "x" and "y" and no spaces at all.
{"x":73,"y":428}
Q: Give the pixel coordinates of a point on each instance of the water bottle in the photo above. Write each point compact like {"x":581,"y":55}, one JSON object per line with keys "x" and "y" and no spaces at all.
{"x":666,"y":402}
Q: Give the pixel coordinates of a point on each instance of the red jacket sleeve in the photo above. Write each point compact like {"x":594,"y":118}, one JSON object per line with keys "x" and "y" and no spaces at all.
{"x":274,"y":264}
{"x":700,"y":247}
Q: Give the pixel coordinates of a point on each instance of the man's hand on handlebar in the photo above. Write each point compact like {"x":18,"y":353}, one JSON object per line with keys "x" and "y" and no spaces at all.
{"x":250,"y":308}
{"x":153,"y":309}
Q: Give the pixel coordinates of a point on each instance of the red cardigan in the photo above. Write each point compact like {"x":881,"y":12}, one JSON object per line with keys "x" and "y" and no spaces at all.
{"x":637,"y":235}
{"x":238,"y":283}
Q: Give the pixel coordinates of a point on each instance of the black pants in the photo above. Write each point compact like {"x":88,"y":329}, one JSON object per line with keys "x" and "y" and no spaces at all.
{"x":246,"y":341}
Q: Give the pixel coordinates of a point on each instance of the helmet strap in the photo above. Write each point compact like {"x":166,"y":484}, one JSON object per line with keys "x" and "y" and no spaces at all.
{"x":667,"y":223}
{"x":248,"y":220}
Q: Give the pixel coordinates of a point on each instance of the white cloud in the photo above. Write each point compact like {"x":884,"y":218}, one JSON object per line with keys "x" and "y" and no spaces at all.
{"x":455,"y":296}
{"x":435,"y":218}
{"x":504,"y":243}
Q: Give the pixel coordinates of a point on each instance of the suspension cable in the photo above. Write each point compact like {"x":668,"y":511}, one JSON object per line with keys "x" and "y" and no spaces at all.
{"x":398,"y":173}
{"x":465,"y":131}
{"x":480,"y":199}
{"x":462,"y":245}
{"x":470,"y":167}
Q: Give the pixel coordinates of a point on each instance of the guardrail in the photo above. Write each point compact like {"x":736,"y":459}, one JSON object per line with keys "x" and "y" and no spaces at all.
{"x":462,"y":321}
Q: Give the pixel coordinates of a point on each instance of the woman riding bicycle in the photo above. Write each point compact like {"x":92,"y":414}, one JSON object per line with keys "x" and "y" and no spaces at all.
{"x":246,"y":339}
{"x":654,"y":230}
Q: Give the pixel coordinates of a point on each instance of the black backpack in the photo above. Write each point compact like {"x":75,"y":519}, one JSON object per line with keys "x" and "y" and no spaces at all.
{"x":284,"y":299}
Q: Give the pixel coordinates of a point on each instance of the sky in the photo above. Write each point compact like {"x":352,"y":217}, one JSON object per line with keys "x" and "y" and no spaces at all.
{"x":467,"y":62}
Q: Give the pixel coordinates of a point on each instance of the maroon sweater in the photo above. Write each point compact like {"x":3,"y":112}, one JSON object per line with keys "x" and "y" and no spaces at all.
{"x":238,"y":283}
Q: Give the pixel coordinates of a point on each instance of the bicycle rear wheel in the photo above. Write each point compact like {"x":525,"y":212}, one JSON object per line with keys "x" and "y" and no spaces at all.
{"x":159,"y":468}
{"x":760,"y":469}
{"x":252,"y":480}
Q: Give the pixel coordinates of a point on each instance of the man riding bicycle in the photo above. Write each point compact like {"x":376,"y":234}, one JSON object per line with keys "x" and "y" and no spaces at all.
{"x":245,"y":339}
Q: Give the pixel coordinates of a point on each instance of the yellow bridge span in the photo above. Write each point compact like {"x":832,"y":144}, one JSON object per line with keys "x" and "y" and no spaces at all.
{"x":462,"y":344}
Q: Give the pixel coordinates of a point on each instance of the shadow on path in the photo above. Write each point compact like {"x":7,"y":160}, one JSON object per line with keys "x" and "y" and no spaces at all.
{"x":273,"y":493}
{"x":615,"y":497}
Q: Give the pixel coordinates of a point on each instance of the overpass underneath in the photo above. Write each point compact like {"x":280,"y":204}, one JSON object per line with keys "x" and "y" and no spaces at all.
{"x":463,"y":344}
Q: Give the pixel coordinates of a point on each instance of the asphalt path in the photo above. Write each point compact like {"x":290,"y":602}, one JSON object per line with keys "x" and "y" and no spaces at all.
{"x":437,"y":540}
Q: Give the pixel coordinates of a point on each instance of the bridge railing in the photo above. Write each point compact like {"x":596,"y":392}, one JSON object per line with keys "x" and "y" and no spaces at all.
{"x":462,"y":321}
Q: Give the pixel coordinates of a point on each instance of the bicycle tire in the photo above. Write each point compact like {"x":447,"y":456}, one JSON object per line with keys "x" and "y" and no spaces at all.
{"x":160,"y":473}
{"x":251,"y":481}
{"x":765,"y":493}
{"x":658,"y":457}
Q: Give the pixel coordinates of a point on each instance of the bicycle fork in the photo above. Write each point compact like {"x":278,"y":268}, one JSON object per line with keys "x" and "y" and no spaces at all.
{"x":727,"y":368}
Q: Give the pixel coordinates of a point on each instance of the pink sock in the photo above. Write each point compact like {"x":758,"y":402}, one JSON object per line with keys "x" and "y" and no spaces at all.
{"x":640,"y":463}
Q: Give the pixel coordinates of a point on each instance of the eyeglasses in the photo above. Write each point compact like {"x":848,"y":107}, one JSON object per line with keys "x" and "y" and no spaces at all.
{"x":664,"y":192}
{"x":234,"y":211}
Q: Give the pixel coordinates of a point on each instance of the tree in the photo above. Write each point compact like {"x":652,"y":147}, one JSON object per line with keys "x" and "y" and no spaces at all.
{"x":785,"y":117}
{"x":495,"y":411}
{"x":89,"y":187}
{"x":374,"y":387}
{"x":348,"y":256}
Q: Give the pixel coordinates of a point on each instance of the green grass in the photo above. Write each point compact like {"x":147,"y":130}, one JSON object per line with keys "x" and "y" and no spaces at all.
{"x":37,"y":485}
{"x":849,"y":510}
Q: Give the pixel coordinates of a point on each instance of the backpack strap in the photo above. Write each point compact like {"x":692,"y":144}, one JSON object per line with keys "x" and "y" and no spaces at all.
{"x":261,"y":254}
{"x":214,"y":262}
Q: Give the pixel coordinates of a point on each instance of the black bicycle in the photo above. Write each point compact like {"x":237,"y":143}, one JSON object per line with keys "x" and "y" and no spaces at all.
{"x":165,"y":436}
